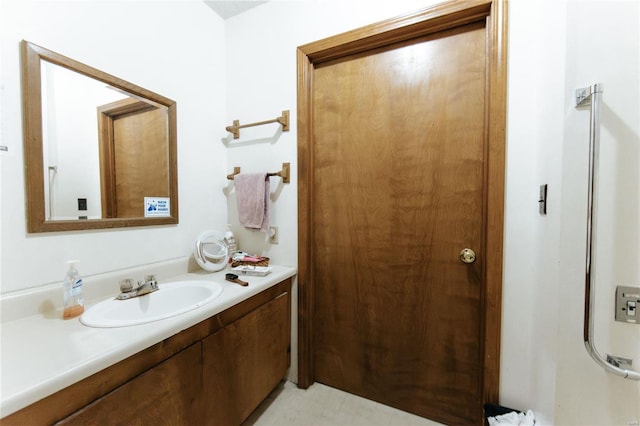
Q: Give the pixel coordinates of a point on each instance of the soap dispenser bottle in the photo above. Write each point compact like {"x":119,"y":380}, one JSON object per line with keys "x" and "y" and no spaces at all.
{"x":230,"y":240}
{"x":72,"y":292}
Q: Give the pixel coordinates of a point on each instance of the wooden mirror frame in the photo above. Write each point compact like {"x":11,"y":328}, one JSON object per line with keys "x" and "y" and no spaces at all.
{"x":32,"y":55}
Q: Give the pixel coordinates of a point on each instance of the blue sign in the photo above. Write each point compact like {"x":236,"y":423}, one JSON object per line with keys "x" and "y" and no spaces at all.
{"x":156,"y":207}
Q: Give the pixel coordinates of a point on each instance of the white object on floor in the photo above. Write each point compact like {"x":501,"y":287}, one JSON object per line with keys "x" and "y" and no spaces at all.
{"x":513,"y":418}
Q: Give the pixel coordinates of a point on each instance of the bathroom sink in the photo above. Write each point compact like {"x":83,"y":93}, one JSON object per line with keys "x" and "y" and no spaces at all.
{"x":171,"y":299}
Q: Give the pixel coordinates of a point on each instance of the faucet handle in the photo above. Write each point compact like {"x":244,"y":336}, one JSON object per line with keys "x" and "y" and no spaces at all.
{"x":126,"y":285}
{"x":151,"y":280}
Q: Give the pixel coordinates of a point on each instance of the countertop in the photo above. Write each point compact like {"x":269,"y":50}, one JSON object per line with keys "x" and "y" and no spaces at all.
{"x":42,"y":353}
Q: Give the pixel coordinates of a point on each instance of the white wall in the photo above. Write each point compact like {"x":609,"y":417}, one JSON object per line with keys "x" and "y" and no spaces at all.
{"x":178,"y":49}
{"x":602,"y":46}
{"x":70,"y":141}
{"x":531,"y":251}
{"x":544,"y":364}
{"x":174,"y":48}
{"x":261,"y":83}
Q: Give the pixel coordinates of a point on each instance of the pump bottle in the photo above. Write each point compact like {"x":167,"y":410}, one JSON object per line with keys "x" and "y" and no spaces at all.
{"x":72,"y":292}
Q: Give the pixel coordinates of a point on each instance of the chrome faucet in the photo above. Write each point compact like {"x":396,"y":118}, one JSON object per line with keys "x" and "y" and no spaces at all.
{"x":144,"y":287}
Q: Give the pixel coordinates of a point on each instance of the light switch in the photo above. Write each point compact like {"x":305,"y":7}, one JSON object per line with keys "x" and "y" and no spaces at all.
{"x":631,"y":308}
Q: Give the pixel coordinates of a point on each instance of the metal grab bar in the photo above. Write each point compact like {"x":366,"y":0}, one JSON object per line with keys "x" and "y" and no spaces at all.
{"x":592,"y":96}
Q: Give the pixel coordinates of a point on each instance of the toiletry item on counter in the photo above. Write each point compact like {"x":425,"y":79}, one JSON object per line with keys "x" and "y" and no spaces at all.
{"x":242,"y":258}
{"x":230,"y":240}
{"x":72,"y":292}
{"x":234,"y":279}
{"x":250,"y":270}
{"x":246,"y":257}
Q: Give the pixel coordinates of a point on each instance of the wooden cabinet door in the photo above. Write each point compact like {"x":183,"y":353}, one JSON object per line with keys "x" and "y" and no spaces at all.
{"x":164,"y":395}
{"x":244,"y":362}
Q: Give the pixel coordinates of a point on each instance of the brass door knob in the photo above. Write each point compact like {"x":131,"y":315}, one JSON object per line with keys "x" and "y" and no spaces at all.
{"x":467,"y":255}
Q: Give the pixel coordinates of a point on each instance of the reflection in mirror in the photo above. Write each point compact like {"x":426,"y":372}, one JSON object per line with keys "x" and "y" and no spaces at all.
{"x":129,"y":127}
{"x":70,"y":141}
{"x":100,"y":152}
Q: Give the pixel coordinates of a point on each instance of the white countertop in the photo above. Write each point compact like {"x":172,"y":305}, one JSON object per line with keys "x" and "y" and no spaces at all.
{"x":42,"y":353}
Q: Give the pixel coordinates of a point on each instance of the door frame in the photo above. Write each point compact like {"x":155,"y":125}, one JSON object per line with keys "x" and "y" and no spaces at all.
{"x":412,"y":25}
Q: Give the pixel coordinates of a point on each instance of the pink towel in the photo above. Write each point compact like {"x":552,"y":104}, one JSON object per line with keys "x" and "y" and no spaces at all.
{"x":252,"y":196}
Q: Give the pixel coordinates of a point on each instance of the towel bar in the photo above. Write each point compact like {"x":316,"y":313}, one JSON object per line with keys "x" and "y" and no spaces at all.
{"x":284,"y":173}
{"x":283,"y":120}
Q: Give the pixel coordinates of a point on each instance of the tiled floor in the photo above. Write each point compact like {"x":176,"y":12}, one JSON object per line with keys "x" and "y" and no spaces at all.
{"x":321,"y":405}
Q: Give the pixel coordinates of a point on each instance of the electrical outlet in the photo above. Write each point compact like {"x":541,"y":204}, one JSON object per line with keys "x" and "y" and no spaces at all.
{"x":274,"y":235}
{"x":82,"y":203}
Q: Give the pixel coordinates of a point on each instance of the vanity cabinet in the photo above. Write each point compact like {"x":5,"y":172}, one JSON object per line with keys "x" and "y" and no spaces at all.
{"x":244,"y":361}
{"x":165,"y":394}
{"x":213,"y":373}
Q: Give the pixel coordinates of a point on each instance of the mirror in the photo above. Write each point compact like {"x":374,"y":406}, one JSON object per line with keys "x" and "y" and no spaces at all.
{"x":100,"y":152}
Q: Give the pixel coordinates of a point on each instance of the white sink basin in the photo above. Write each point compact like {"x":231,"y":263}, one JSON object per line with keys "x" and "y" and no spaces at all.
{"x":170,"y":300}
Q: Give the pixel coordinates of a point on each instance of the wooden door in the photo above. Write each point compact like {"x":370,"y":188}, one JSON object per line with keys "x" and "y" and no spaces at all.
{"x":134,"y":155}
{"x":398,"y":179}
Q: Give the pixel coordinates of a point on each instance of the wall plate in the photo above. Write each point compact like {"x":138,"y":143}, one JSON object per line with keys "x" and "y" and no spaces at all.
{"x":620,"y":361}
{"x":542,"y":199}
{"x":627,"y":304}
